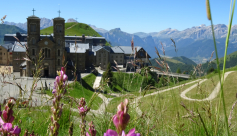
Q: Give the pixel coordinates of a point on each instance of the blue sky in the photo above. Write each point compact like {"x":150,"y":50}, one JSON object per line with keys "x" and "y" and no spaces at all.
{"x":129,"y":15}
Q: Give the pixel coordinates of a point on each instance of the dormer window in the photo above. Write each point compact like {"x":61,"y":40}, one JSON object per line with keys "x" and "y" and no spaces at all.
{"x":32,"y":27}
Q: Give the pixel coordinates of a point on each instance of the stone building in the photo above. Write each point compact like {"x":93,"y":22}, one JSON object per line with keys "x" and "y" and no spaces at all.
{"x":6,"y":54}
{"x":82,"y":52}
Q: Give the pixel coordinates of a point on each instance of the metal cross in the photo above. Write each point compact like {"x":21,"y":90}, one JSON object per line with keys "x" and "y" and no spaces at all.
{"x":76,"y":19}
{"x":59,"y":13}
{"x":33,"y":11}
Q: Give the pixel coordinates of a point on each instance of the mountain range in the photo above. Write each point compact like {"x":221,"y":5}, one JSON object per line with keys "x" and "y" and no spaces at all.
{"x":195,"y":43}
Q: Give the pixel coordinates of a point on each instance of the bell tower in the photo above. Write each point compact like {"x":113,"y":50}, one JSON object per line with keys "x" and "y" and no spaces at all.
{"x":59,"y":33}
{"x":33,"y":31}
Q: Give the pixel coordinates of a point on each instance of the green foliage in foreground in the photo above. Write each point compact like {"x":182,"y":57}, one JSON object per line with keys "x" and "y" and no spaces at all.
{"x":83,"y":88}
{"x":129,"y":82}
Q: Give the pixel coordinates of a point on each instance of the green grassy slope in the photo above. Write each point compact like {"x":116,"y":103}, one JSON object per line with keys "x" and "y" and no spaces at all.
{"x":183,"y":63}
{"x":184,"y":60}
{"x":84,"y":89}
{"x":231,"y":61}
{"x":8,"y":29}
{"x":76,"y":29}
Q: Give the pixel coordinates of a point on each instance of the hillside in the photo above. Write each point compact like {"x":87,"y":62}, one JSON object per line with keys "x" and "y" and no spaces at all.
{"x":185,"y":64}
{"x":231,"y":61}
{"x":8,"y":29}
{"x":200,"y":50}
{"x":184,"y":60}
{"x":73,"y":29}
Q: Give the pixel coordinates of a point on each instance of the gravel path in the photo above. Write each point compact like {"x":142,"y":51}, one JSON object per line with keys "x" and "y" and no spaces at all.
{"x":211,"y":96}
{"x":136,"y":100}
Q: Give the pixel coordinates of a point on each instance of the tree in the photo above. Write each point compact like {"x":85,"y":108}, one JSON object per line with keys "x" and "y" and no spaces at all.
{"x":178,"y":70}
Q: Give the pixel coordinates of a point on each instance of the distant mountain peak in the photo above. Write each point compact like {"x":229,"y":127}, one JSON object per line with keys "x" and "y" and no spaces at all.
{"x":71,"y":20}
{"x":116,"y":29}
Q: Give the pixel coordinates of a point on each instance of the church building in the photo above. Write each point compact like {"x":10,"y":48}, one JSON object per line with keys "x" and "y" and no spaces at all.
{"x":84,"y":52}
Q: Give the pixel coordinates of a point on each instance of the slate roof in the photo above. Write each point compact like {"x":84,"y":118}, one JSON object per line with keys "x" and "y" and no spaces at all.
{"x":17,"y":47}
{"x":128,"y":49}
{"x":10,"y":37}
{"x":50,"y":37}
{"x":97,"y":48}
{"x":7,"y":46}
{"x":117,"y":49}
{"x":79,"y":48}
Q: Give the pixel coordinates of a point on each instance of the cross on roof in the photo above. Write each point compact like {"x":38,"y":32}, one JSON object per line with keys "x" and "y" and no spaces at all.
{"x":33,"y":11}
{"x":59,"y":12}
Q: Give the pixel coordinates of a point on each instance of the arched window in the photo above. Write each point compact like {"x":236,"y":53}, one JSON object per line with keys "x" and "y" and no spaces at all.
{"x":33,"y":52}
{"x":59,"y":28}
{"x":33,"y":27}
{"x":33,"y":41}
{"x":58,"y":52}
{"x":49,"y":53}
{"x":59,"y":42}
{"x":46,"y":53}
{"x":58,"y":61}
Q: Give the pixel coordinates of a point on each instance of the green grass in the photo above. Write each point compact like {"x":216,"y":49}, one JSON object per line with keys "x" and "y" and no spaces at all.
{"x":78,"y":30}
{"x":83,"y":89}
{"x":205,"y":89}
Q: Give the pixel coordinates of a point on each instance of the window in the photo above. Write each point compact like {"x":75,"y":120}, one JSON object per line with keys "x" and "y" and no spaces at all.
{"x":58,"y":61}
{"x":0,"y":53}
{"x":58,"y":52}
{"x":59,"y":42}
{"x":59,"y":28}
{"x":4,"y":53}
{"x":0,"y":58}
{"x":33,"y":41}
{"x":33,"y":52}
{"x":49,"y":53}
{"x":46,"y":53}
{"x":33,"y":27}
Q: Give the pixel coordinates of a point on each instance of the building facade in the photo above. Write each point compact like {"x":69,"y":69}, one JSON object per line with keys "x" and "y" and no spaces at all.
{"x":83,"y":52}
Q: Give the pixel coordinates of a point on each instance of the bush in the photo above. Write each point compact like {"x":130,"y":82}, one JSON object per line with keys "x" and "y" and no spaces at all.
{"x":212,"y":70}
{"x":108,"y":74}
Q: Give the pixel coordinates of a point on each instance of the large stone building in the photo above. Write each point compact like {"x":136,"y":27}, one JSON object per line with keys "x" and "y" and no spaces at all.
{"x":84,"y":52}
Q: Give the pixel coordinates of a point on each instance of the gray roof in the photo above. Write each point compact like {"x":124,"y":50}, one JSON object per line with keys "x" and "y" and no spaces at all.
{"x":79,"y":48}
{"x":10,"y":37}
{"x":18,"y":48}
{"x":7,"y":46}
{"x":97,"y":48}
{"x":117,"y":49}
{"x":128,"y":49}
